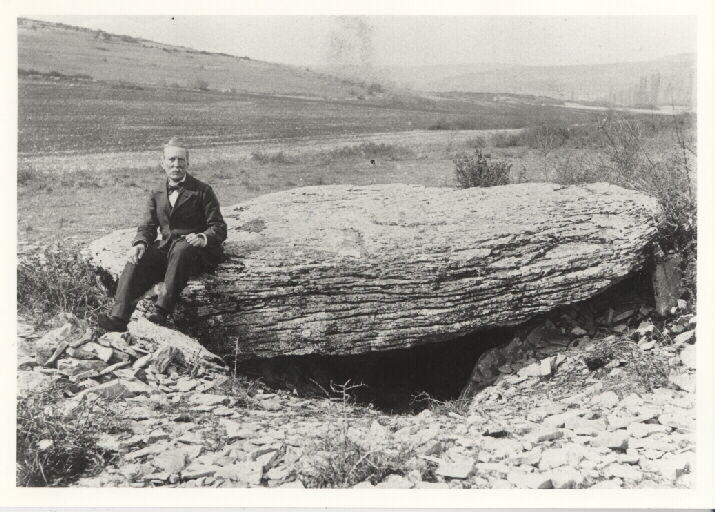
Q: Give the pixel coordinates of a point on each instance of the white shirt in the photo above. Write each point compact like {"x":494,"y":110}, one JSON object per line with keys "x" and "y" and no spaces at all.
{"x":175,"y":194}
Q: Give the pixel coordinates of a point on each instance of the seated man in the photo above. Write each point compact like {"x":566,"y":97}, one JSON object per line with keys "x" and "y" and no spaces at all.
{"x":192,"y":230}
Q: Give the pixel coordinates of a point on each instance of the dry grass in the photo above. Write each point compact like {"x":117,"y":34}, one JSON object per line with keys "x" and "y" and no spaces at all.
{"x":337,"y":458}
{"x":59,"y":280}
{"x":55,"y":447}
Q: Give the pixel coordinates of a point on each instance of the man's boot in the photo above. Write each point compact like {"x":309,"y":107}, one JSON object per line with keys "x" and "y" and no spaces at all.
{"x":111,"y":323}
{"x":158,"y":316}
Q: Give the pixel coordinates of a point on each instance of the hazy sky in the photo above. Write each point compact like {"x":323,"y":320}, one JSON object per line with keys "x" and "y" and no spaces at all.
{"x":311,"y":40}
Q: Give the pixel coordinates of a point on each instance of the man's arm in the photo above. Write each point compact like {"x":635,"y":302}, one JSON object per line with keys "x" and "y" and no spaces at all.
{"x":146,"y":232}
{"x":215,"y":233}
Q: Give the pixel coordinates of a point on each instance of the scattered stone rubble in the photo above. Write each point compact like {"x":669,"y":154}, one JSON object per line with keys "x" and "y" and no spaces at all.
{"x":562,"y":408}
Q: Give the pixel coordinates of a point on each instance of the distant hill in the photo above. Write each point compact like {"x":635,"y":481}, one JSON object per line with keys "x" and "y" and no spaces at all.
{"x":55,"y":47}
{"x":657,"y":82}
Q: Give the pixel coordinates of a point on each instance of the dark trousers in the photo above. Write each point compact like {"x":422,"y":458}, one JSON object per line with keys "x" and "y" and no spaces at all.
{"x":173,"y":263}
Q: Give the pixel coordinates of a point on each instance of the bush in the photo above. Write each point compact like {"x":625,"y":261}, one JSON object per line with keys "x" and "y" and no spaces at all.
{"x":478,"y":142}
{"x":670,"y":180}
{"x":59,"y":279}
{"x":55,"y":447}
{"x":507,"y":140}
{"x":477,"y":170}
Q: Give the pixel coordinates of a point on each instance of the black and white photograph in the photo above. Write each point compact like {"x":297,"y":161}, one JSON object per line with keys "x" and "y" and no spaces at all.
{"x":358,"y":251}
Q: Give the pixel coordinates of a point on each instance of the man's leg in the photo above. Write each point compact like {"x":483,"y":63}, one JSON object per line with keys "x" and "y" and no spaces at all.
{"x":137,"y":279}
{"x":183,"y":261}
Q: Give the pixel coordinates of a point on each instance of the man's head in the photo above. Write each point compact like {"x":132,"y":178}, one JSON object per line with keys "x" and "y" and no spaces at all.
{"x":175,"y":160}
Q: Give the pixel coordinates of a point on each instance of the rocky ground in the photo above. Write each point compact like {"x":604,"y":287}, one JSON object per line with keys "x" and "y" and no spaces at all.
{"x":607,"y":406}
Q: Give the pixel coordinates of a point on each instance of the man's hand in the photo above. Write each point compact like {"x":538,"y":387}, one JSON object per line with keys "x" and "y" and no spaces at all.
{"x":136,"y":253}
{"x":195,"y":240}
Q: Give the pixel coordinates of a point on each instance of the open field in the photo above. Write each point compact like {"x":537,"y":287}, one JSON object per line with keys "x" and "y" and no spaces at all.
{"x":75,"y":116}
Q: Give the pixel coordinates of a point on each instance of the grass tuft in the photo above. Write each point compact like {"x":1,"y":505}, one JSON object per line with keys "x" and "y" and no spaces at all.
{"x":55,"y":447}
{"x":59,"y":279}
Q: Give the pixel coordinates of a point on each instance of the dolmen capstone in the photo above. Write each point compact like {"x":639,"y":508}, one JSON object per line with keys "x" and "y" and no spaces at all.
{"x":343,"y":269}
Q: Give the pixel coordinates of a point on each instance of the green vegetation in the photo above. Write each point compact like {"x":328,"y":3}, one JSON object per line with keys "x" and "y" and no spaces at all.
{"x":54,"y":446}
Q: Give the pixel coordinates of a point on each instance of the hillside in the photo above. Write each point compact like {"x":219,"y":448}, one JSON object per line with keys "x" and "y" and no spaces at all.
{"x":661,"y":82}
{"x":46,"y":47}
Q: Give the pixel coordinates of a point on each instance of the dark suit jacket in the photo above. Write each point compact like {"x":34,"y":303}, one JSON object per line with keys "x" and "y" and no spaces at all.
{"x":196,"y":211}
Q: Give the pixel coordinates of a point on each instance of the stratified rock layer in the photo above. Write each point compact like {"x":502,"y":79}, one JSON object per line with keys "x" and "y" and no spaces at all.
{"x":345,"y":269}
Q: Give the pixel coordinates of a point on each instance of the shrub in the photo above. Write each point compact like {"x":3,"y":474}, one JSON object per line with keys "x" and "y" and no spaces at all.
{"x":670,"y":180}
{"x":507,"y":140}
{"x":477,"y":170}
{"x":478,"y":142}
{"x":55,"y":447}
{"x":59,"y":279}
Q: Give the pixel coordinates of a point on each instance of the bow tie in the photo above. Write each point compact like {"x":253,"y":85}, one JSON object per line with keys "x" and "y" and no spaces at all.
{"x":174,"y":188}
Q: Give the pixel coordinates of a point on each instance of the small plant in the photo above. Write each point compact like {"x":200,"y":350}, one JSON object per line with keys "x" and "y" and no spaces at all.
{"x":340,"y":458}
{"x":650,"y":370}
{"x":458,"y":406}
{"x":477,"y":170}
{"x":59,"y":279}
{"x":55,"y":447}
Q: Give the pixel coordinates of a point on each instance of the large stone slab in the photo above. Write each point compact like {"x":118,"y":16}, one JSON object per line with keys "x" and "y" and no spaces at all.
{"x":346,"y":269}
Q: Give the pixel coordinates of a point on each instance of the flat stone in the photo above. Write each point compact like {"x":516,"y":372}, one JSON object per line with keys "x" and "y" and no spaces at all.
{"x":500,"y":483}
{"x":687,"y":356}
{"x":624,"y":471}
{"x":685,"y":337}
{"x":546,"y":434}
{"x":679,"y":421}
{"x":272,"y":404}
{"x":248,"y":472}
{"x":223,"y":411}
{"x":152,"y":449}
{"x":652,"y":443}
{"x":184,"y":385}
{"x":673,"y":466}
{"x":278,"y":473}
{"x":638,"y":429}
{"x":614,"y":483}
{"x":616,"y":421}
{"x":395,"y":482}
{"x":553,"y":458}
{"x":607,"y":399}
{"x":193,"y":473}
{"x":523,"y":480}
{"x":566,"y":478}
{"x":683,"y":381}
{"x":120,"y":388}
{"x":76,"y":366}
{"x":496,"y":468}
{"x":617,"y":440}
{"x":267,"y":460}
{"x":237,"y":429}
{"x":171,"y":461}
{"x":459,"y":470}
{"x":208,"y":400}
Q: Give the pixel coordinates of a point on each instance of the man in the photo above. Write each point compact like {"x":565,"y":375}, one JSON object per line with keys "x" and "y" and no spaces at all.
{"x":192,"y":231}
